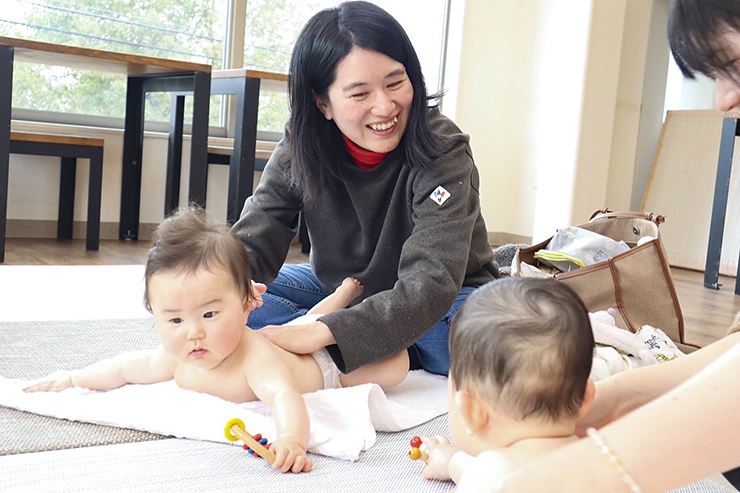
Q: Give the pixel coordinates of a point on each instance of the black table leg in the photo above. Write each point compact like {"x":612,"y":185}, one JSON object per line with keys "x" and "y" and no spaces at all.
{"x":199,"y":140}
{"x":174,"y":155}
{"x":6,"y":102}
{"x":242,"y":162}
{"x":94,"y":192}
{"x":65,"y":217}
{"x":133,"y":143}
{"x":241,"y":169}
{"x":719,"y":207}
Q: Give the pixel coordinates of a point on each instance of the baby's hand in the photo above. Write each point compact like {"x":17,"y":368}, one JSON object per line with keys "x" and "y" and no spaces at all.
{"x":440,"y":450}
{"x":290,"y":456}
{"x":56,"y":382}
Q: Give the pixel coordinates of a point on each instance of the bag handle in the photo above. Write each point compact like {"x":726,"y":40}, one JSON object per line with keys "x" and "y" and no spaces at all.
{"x":658,"y":219}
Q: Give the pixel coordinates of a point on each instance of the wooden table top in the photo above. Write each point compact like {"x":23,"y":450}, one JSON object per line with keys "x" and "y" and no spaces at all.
{"x":271,"y":81}
{"x":705,"y":113}
{"x":96,"y":60}
{"x":253,"y":74}
{"x":56,"y":139}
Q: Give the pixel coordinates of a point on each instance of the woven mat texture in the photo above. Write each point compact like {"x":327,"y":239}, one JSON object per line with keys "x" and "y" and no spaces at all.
{"x":70,"y":463}
{"x":177,"y":465}
{"x":34,"y":349}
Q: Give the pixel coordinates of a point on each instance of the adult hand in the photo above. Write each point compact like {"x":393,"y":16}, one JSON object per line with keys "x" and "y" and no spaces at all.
{"x":300,"y":339}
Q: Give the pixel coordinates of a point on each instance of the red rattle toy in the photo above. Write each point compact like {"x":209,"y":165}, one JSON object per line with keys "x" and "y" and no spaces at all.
{"x":418,"y":450}
{"x":235,"y":431}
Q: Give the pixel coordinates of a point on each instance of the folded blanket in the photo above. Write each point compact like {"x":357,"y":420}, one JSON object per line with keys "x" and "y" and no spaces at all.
{"x":343,"y":421}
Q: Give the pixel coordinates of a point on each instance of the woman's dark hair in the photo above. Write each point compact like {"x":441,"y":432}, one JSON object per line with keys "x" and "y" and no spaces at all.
{"x":695,"y":28}
{"x":325,"y":40}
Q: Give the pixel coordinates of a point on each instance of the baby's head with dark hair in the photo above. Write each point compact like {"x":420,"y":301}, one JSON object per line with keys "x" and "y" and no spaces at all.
{"x":187,"y":241}
{"x":524,"y":345}
{"x":696,"y":30}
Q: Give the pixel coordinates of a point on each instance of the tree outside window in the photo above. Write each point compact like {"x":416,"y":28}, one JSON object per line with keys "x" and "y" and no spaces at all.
{"x":191,"y":30}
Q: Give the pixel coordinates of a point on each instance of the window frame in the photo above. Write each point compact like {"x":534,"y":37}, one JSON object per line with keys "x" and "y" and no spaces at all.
{"x":232,"y":57}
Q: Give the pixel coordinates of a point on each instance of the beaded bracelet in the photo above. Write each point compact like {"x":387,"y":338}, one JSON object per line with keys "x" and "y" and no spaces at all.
{"x":634,"y":487}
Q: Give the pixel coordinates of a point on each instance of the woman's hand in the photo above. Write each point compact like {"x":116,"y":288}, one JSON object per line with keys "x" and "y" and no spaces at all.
{"x":300,"y":339}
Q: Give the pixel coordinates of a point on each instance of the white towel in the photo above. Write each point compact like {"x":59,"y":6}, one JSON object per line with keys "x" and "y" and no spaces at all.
{"x":343,"y":421}
{"x":607,"y":333}
{"x":619,"y":350}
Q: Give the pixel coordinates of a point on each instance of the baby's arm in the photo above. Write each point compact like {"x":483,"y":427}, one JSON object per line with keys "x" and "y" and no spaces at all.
{"x":481,"y":474}
{"x":445,"y":461}
{"x":273,"y":384}
{"x":149,"y":366}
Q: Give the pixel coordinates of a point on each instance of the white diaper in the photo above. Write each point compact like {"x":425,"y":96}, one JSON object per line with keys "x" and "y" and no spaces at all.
{"x":328,"y":369}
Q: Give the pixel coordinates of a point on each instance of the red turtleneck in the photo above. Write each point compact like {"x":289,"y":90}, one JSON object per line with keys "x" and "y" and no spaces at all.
{"x":365,"y":159}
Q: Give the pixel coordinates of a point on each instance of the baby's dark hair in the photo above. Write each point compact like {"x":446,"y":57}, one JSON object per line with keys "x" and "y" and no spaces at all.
{"x":525,"y":345}
{"x":187,"y":241}
{"x":695,"y":28}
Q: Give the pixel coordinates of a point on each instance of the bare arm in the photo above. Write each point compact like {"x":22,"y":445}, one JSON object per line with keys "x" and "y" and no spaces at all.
{"x":149,"y":366}
{"x":272,"y":383}
{"x":688,"y":434}
{"x":459,"y":463}
{"x":292,"y":425}
{"x":445,"y":461}
{"x":624,"y":392}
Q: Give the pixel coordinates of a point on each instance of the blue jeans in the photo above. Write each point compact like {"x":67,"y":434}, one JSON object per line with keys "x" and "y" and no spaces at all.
{"x":296,"y":289}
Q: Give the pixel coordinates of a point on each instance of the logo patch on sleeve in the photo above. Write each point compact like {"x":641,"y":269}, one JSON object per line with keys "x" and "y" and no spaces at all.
{"x":440,"y":195}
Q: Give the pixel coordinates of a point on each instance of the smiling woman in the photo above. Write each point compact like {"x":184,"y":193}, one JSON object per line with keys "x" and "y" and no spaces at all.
{"x":389,"y":193}
{"x":370,"y":100}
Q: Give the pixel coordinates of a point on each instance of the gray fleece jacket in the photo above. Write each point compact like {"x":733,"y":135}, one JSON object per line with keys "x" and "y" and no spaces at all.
{"x":412,"y":252}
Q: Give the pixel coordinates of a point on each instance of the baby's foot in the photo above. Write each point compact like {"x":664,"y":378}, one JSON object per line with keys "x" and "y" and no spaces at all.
{"x":351,"y":287}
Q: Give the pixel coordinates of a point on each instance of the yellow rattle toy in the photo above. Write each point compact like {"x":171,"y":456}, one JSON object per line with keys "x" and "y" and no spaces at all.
{"x":235,"y":431}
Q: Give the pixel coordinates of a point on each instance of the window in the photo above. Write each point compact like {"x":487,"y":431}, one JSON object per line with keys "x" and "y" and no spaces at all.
{"x":192,"y":30}
{"x":272,"y":26}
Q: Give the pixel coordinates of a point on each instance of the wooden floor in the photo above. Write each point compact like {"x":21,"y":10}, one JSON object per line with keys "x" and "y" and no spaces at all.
{"x":42,"y":251}
{"x":708,"y":313}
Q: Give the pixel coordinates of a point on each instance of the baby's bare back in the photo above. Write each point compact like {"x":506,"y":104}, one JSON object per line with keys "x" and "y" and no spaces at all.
{"x":305,"y":371}
{"x":255,"y":356}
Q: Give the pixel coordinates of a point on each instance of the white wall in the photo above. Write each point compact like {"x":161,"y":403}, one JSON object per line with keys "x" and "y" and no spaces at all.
{"x":495,"y":96}
{"x":653,"y":97}
{"x":537,"y":93}
{"x":553,"y":98}
{"x":628,"y":109}
{"x":602,"y":42}
{"x":688,"y":94}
